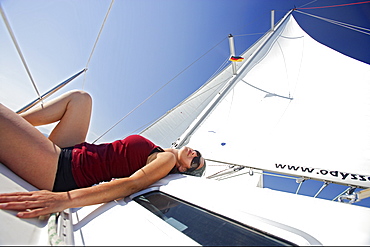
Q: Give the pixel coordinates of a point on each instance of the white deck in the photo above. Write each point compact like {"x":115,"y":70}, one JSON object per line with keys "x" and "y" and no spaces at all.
{"x":296,"y":218}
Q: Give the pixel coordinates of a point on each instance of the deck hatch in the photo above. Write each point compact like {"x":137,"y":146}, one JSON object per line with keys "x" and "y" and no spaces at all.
{"x":203,"y":226}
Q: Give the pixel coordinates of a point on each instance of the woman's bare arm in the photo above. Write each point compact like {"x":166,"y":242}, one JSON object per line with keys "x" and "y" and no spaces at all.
{"x":45,"y":202}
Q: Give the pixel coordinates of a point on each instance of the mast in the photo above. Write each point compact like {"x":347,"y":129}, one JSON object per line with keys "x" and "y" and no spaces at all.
{"x":184,"y":138}
{"x":232,"y":51}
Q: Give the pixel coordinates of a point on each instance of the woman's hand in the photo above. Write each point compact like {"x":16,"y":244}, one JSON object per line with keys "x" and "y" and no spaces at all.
{"x":34,"y":203}
{"x":43,"y":202}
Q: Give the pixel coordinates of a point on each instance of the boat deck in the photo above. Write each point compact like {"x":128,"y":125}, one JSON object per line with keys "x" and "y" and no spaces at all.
{"x":298,"y":219}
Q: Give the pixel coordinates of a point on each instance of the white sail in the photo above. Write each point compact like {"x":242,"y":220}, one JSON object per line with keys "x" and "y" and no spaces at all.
{"x":293,"y":103}
{"x":168,"y":128}
{"x":298,"y":107}
{"x":173,"y":124}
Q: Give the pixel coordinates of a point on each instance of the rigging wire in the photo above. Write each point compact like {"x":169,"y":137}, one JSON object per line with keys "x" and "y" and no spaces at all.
{"x":335,"y":22}
{"x":187,"y":100}
{"x":167,"y":84}
{"x":332,"y":6}
{"x":97,"y":39}
{"x":219,"y":69}
{"x":150,"y":96}
{"x":342,"y":24}
{"x":308,"y":3}
{"x":19,"y":52}
{"x":247,"y":34}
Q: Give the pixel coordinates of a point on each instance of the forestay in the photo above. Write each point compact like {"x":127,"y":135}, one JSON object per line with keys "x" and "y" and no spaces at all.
{"x":174,"y":123}
{"x":296,"y":107}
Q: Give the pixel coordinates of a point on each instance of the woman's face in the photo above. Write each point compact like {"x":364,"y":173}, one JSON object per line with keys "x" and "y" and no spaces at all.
{"x":185,"y":156}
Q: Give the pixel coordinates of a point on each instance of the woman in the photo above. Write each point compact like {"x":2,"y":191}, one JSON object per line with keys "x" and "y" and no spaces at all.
{"x":55,"y":165}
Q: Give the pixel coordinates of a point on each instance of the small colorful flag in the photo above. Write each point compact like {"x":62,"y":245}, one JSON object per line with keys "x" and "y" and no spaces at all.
{"x":236,"y":59}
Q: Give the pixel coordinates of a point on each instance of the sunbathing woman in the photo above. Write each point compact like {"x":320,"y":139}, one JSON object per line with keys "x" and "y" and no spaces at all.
{"x":64,"y":167}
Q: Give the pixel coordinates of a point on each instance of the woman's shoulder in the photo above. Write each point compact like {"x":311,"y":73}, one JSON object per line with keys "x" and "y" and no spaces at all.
{"x":162,"y":157}
{"x":166,"y":156}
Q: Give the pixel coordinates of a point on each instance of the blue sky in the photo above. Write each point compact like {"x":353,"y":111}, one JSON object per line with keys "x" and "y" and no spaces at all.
{"x":146,"y":44}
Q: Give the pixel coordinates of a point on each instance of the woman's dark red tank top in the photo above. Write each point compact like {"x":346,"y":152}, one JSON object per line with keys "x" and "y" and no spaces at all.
{"x":92,"y":164}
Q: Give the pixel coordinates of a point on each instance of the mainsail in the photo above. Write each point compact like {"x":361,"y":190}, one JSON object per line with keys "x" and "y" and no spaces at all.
{"x":295,"y":106}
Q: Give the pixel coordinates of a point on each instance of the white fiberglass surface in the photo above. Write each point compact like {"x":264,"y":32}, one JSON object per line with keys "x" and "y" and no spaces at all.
{"x":13,"y":230}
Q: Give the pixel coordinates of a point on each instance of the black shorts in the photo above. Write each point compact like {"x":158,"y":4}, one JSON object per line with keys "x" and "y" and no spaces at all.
{"x":64,"y":180}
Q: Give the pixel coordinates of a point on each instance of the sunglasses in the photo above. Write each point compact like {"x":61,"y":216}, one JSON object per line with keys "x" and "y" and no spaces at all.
{"x":195,"y":162}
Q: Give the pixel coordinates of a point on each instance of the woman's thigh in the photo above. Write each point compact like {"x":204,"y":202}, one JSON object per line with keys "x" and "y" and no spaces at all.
{"x":26,"y":151}
{"x":74,"y":124}
{"x":72,"y":110}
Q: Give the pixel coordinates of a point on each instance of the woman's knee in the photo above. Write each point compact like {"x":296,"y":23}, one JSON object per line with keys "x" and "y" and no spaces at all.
{"x":81,"y":97}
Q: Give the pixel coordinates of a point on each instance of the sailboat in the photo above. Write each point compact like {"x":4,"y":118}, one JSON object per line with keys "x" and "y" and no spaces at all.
{"x":283,"y":110}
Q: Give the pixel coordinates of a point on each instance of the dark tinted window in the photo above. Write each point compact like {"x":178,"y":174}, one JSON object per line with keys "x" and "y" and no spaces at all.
{"x":203,"y":226}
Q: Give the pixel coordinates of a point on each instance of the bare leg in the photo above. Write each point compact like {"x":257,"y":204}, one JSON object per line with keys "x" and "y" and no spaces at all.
{"x":26,"y":151}
{"x":29,"y":153}
{"x":72,"y":110}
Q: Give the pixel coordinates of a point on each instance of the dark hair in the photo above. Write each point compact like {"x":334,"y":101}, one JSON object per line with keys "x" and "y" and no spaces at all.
{"x":198,"y":172}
